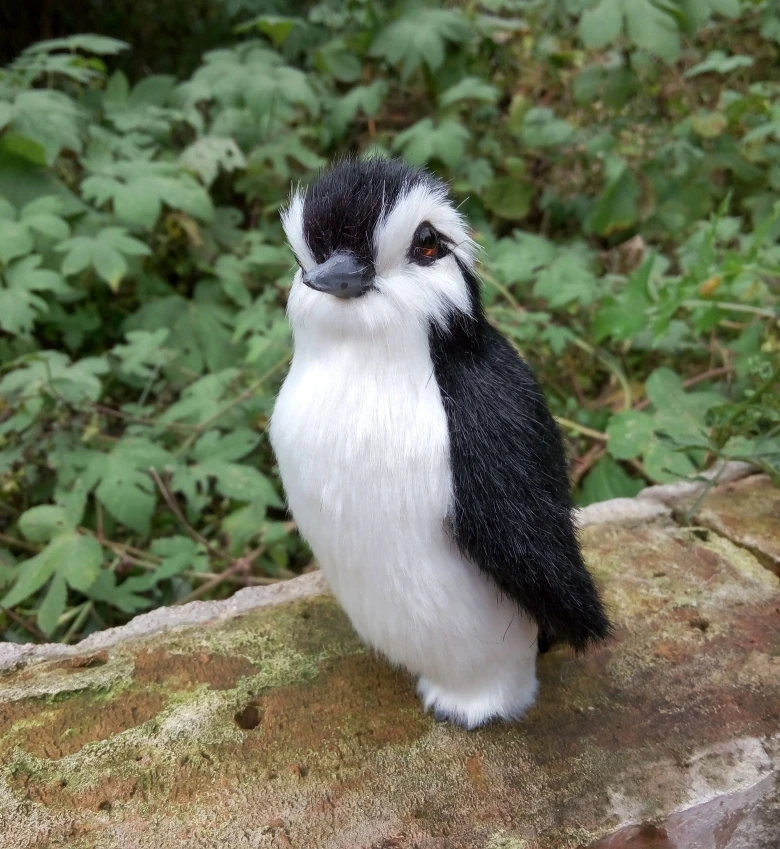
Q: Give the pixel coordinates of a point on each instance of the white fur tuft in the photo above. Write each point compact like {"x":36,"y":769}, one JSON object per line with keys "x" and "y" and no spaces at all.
{"x":292,"y":221}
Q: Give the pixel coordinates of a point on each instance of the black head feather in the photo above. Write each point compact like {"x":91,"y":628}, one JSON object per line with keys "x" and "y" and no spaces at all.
{"x":342,"y":208}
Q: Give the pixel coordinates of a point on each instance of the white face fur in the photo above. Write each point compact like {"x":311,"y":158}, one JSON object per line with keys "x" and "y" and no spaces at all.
{"x":405,"y":292}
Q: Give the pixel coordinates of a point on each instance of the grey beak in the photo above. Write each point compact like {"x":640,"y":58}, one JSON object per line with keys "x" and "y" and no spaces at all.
{"x":343,"y":275}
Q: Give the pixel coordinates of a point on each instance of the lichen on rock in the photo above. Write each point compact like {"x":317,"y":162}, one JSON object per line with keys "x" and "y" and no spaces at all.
{"x":275,"y":727}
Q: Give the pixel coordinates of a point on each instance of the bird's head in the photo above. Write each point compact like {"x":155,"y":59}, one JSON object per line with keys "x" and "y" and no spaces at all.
{"x":379,"y":244}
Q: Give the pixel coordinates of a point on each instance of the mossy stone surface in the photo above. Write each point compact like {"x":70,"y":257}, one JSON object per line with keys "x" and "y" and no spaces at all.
{"x":276,"y":728}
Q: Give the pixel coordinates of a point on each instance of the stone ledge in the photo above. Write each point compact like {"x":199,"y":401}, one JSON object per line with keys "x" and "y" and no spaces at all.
{"x":263,"y":722}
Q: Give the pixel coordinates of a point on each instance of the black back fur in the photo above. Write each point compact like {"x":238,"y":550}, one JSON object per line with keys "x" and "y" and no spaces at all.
{"x":512,"y":512}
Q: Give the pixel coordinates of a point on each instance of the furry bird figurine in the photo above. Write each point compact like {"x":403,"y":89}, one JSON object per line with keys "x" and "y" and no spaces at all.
{"x":416,"y":449}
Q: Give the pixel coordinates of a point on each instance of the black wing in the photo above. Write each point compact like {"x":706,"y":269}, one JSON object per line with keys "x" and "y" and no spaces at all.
{"x":512,"y":512}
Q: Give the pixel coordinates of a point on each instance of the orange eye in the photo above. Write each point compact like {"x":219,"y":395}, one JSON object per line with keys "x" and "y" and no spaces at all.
{"x":426,"y":247}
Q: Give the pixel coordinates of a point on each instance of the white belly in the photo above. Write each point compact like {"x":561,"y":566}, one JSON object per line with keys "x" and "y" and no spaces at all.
{"x":361,"y":438}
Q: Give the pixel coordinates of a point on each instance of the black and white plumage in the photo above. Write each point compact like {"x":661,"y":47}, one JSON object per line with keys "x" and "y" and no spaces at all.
{"x":418,"y":455}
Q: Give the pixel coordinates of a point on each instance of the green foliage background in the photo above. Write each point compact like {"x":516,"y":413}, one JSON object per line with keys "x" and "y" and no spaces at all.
{"x":618,"y":159}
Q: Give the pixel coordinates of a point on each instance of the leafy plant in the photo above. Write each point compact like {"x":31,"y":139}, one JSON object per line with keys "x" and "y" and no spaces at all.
{"x":620,"y":163}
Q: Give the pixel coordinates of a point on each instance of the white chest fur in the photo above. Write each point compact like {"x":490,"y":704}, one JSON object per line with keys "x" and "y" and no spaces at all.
{"x":361,"y":438}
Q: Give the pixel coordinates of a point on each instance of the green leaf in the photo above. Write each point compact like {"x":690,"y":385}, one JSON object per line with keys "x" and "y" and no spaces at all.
{"x":33,"y":574}
{"x":630,"y":433}
{"x":73,"y":502}
{"x":232,"y":446}
{"x":698,"y":12}
{"x":144,"y":354}
{"x":40,"y":524}
{"x":41,"y":215}
{"x":242,"y":483}
{"x":469,"y":88}
{"x":602,"y":24}
{"x":24,"y":148}
{"x":53,"y":605}
{"x":607,"y":480}
{"x":102,"y":45}
{"x":717,"y":62}
{"x":541,"y":128}
{"x":105,"y":251}
{"x":20,"y":305}
{"x":210,"y":153}
{"x":15,"y":240}
{"x":49,"y":118}
{"x":509,"y":197}
{"x":649,"y":24}
{"x":178,"y":554}
{"x":666,"y":465}
{"x":421,"y":37}
{"x":709,"y":125}
{"x":81,"y":559}
{"x":517,"y":259}
{"x":336,"y":60}
{"x":200,"y":333}
{"x":617,"y":207}
{"x":105,"y":589}
{"x":126,"y":488}
{"x":276,"y":27}
{"x":52,"y":373}
{"x":244,"y":525}
{"x":77,"y":558}
{"x":623,"y":316}
{"x":140,"y":193}
{"x":109,"y":264}
{"x":362,"y":98}
{"x":425,"y":141}
{"x":567,"y":279}
{"x":7,"y":113}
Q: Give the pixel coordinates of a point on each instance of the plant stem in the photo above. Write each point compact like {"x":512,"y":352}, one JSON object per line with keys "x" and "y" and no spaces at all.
{"x":486,"y":275}
{"x":78,"y":622}
{"x":729,"y":305}
{"x":173,"y":504}
{"x":578,"y":428}
{"x":20,"y":543}
{"x":36,"y":632}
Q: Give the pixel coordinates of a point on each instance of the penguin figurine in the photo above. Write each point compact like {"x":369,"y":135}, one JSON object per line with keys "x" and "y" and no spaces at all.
{"x":418,"y":455}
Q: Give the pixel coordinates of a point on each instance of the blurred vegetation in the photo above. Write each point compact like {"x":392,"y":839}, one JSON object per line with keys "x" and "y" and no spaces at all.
{"x":620,"y":162}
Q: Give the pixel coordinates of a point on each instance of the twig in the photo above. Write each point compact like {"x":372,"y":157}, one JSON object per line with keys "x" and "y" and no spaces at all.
{"x":173,"y":504}
{"x":28,"y":626}
{"x":728,"y":305}
{"x":609,"y":365}
{"x":578,"y":428}
{"x":486,"y":275}
{"x":100,"y":532}
{"x":20,"y":543}
{"x":587,"y":462}
{"x":78,"y":622}
{"x":177,"y":427}
{"x":636,"y":464}
{"x":212,"y":583}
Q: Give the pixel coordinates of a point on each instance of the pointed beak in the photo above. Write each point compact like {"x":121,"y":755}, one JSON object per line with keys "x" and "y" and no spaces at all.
{"x":343,"y":276}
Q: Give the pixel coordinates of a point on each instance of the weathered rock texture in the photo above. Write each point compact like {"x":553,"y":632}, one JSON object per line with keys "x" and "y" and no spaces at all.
{"x":263,"y":722}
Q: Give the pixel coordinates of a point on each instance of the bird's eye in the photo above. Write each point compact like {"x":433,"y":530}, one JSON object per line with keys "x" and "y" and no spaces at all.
{"x":426,"y":245}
